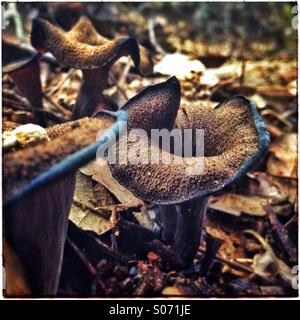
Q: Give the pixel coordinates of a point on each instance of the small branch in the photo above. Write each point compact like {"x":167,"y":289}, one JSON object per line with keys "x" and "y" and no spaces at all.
{"x":12,"y":13}
{"x":60,"y":84}
{"x":124,"y":75}
{"x":102,"y":211}
{"x":152,"y":37}
{"x":82,"y":257}
{"x":231,"y":264}
{"x":282,"y":234}
{"x":15,"y":96}
{"x":115,"y":82}
{"x":107,"y":250}
{"x":19,"y":106}
{"x":106,"y":212}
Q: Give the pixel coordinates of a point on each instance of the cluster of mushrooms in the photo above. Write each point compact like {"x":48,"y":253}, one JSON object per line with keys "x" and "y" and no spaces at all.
{"x":235,"y":138}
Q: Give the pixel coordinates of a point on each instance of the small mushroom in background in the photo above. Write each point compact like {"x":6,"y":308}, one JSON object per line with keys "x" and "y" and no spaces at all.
{"x":235,"y":138}
{"x":36,"y":221}
{"x":22,"y":65}
{"x":83,"y":48}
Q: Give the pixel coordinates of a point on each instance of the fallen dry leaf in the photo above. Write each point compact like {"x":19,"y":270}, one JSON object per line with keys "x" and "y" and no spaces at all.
{"x":283,"y":158}
{"x":100,"y":172}
{"x":231,"y":248}
{"x":237,"y":204}
{"x":173,"y":291}
{"x":83,"y":212}
{"x":185,"y":67}
{"x":267,"y":265}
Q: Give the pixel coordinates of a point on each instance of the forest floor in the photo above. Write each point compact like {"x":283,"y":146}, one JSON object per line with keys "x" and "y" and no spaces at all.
{"x":252,"y":226}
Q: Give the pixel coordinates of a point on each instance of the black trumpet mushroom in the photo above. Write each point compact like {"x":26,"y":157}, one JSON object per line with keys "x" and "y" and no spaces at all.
{"x":235,"y":138}
{"x":83,"y":48}
{"x":35,"y":225}
{"x":22,"y":65}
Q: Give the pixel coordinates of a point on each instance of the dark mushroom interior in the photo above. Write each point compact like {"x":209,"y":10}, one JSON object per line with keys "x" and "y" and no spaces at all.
{"x":234,"y":138}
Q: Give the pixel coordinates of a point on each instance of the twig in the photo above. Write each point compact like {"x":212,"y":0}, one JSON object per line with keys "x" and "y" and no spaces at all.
{"x":102,"y":211}
{"x":231,"y":264}
{"x":12,"y":12}
{"x":124,"y":74}
{"x":107,"y":250}
{"x":82,"y":257}
{"x":106,"y":212}
{"x":23,"y":107}
{"x":243,"y":71}
{"x":60,"y":84}
{"x":15,"y":96}
{"x":95,"y":274}
{"x":113,"y":79}
{"x":292,"y":220}
{"x":152,"y":37}
{"x":282,"y":234}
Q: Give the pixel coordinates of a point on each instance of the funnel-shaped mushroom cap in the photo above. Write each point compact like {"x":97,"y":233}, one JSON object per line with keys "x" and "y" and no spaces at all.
{"x":22,"y":65}
{"x":65,"y":139}
{"x":155,"y":107}
{"x":234,"y":139}
{"x":85,"y":32}
{"x":15,"y":57}
{"x":81,"y":55}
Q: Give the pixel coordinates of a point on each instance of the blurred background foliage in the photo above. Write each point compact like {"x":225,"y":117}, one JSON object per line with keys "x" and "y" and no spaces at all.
{"x":254,"y":29}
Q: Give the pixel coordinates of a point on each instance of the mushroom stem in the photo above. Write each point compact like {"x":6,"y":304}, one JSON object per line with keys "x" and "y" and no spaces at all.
{"x":188,"y":230}
{"x":90,"y":99}
{"x":29,"y":83}
{"x":168,"y":221}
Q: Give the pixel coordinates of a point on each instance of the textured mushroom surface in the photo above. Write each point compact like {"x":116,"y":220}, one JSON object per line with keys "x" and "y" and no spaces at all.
{"x":9,"y":125}
{"x":155,"y":107}
{"x":234,"y":139}
{"x":22,"y":165}
{"x":84,"y":32}
{"x":82,"y":47}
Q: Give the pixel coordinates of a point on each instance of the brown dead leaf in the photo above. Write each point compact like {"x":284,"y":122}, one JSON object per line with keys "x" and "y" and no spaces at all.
{"x":288,"y":186}
{"x":173,"y":291}
{"x":237,"y":204}
{"x":83,"y":212}
{"x":100,"y":172}
{"x":283,"y":158}
{"x":262,"y":184}
{"x":278,"y":92}
{"x":267,"y":265}
{"x":232,"y":246}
